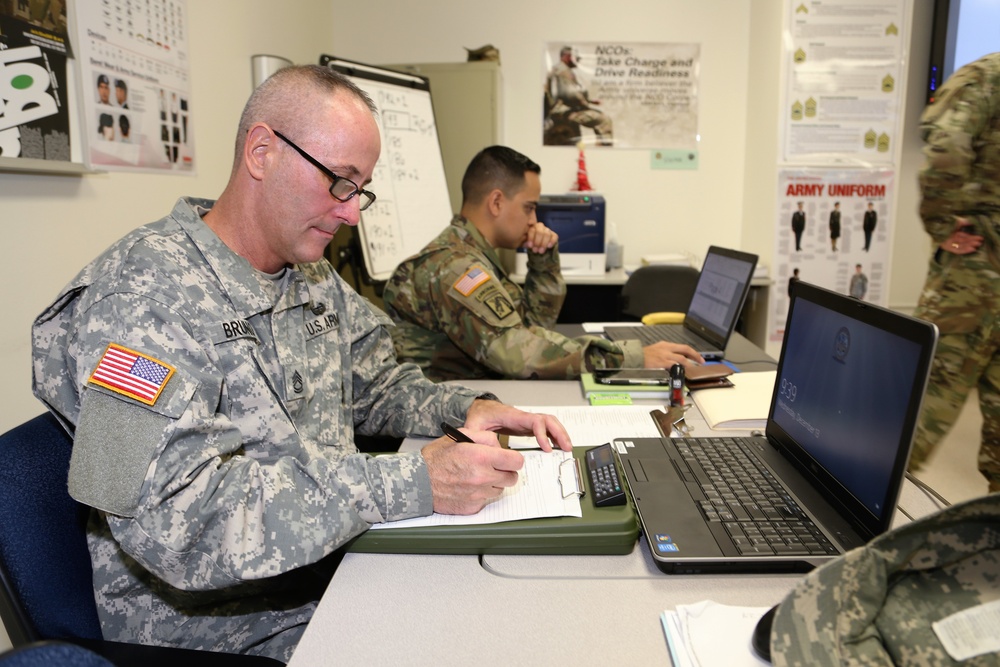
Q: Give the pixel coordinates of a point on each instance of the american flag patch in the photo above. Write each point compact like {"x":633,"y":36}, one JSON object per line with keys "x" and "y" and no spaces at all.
{"x":131,"y":374}
{"x":472,"y":279}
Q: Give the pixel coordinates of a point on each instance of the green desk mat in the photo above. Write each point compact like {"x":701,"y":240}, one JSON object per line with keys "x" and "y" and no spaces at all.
{"x":601,"y":530}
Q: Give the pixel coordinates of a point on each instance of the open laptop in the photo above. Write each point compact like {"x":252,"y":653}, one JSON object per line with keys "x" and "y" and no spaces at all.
{"x":715,"y":307}
{"x":850,"y":381}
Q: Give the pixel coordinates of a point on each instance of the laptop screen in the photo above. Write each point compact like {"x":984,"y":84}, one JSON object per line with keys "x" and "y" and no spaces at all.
{"x":850,"y":382}
{"x":718,"y":297}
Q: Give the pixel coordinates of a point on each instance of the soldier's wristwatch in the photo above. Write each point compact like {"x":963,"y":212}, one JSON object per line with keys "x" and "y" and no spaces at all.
{"x":488,"y":396}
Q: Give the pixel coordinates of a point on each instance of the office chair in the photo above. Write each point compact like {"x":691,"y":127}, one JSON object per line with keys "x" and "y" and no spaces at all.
{"x":46,"y":590}
{"x":52,"y":654}
{"x":658,"y":294}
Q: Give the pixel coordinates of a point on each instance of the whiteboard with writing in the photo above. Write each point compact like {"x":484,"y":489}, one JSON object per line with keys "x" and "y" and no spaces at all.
{"x":411,"y":194}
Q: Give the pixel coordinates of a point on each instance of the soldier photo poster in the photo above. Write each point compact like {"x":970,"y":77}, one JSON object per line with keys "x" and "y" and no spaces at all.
{"x":621,"y":94}
{"x":136,"y":83}
{"x":831,"y":231}
{"x":34,"y":108}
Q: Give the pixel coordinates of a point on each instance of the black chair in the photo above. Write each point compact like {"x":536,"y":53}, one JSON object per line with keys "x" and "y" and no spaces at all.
{"x":46,"y":590}
{"x":658,"y":289}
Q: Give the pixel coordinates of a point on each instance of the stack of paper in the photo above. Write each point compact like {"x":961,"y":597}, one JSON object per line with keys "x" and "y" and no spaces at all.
{"x":743,"y":406}
{"x":707,"y":633}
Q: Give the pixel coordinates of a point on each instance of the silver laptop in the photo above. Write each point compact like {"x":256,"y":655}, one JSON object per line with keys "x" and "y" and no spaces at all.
{"x":715,"y":307}
{"x":823,"y":478}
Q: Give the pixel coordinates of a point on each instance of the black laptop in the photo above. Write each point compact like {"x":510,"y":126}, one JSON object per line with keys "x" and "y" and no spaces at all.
{"x":823,"y":478}
{"x":715,"y":307}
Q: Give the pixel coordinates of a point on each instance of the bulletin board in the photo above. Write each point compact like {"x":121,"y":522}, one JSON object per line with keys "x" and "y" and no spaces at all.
{"x":412,"y":204}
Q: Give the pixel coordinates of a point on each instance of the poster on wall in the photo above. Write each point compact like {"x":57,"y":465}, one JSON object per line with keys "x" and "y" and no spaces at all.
{"x":845,"y":64}
{"x":34,"y":110}
{"x":831,"y":231}
{"x":136,"y":83}
{"x":621,"y":94}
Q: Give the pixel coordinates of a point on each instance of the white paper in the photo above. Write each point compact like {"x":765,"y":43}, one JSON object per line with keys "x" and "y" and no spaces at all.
{"x":589,"y":426}
{"x":694,"y":632}
{"x":541,"y":485}
{"x":598,"y":327}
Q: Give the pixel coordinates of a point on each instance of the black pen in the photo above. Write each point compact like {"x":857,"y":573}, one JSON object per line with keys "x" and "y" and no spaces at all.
{"x":454,"y":433}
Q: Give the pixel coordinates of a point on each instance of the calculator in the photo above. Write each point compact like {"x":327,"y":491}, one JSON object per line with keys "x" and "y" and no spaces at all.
{"x":605,"y":483}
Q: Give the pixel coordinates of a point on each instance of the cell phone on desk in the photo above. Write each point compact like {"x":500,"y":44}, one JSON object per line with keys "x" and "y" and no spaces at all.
{"x":634,"y":376}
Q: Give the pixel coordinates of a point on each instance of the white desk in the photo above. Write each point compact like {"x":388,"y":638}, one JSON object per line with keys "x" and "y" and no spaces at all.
{"x":397,"y":609}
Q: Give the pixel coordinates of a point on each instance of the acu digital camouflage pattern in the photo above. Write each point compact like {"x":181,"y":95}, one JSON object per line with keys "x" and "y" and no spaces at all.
{"x":961,"y":178}
{"x":875,"y":604}
{"x":495,"y":331}
{"x":216,"y":504}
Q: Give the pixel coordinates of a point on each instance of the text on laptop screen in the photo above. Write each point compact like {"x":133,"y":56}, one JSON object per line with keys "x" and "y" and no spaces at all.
{"x":843,"y":393}
{"x":716,"y":299}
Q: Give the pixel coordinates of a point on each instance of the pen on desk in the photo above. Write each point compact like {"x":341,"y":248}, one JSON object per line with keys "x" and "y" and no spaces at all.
{"x":454,"y":433}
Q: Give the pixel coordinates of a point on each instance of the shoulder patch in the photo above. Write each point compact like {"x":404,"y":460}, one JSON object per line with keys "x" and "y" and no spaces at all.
{"x":471,"y":280}
{"x":131,"y":374}
{"x":496,"y":300}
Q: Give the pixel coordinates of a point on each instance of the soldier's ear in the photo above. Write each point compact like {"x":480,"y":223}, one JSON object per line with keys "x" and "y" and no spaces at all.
{"x":495,"y":201}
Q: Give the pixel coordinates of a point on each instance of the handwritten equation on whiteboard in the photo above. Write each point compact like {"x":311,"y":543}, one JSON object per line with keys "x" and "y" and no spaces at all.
{"x":412,"y":204}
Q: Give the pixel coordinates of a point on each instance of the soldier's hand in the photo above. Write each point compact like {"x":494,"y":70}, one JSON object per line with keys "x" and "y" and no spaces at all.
{"x":540,"y":238}
{"x":665,"y":355}
{"x":496,"y":416}
{"x":466,"y":476}
{"x":963,"y":240}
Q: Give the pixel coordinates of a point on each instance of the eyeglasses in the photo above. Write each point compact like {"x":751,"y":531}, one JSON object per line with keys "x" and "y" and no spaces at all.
{"x":341,"y":188}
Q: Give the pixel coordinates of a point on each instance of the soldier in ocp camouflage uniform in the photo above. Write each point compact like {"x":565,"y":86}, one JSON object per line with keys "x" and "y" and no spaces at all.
{"x":459,"y":316}
{"x":960,"y":183}
{"x":215,"y":368}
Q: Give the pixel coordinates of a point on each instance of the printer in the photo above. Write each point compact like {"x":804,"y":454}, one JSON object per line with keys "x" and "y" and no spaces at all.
{"x":578,"y":219}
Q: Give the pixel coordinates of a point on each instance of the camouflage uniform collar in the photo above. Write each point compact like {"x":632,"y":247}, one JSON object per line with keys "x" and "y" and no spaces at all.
{"x":480,"y":242}
{"x":237,"y":278}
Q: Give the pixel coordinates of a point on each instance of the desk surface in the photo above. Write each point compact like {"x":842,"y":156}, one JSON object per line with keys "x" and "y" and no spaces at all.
{"x":512,"y":610}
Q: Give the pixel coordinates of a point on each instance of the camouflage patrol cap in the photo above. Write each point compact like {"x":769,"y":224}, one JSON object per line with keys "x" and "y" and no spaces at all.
{"x":875,"y":604}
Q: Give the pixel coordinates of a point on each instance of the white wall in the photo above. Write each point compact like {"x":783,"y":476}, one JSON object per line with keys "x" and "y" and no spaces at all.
{"x":53,"y":225}
{"x":654,"y":211}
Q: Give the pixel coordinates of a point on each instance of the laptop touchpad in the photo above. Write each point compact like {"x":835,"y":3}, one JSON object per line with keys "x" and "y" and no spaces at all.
{"x":655,"y":469}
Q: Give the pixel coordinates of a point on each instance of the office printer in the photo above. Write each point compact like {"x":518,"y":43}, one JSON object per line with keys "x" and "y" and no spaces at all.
{"x":578,"y":219}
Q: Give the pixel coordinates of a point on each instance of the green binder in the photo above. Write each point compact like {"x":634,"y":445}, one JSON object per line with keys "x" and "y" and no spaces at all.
{"x":601,"y":530}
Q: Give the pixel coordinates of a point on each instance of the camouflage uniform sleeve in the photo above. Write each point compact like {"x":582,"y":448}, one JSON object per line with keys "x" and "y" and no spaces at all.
{"x":397,"y":399}
{"x":480,"y":318}
{"x":179,"y":490}
{"x":544,"y":289}
{"x":950,"y":127}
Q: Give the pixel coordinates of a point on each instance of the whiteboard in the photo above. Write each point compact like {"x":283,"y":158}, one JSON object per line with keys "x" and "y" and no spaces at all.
{"x":411,"y":194}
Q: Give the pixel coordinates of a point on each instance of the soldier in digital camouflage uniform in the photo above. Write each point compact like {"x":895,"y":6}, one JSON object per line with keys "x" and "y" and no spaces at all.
{"x":874,"y":605}
{"x":215,"y":369}
{"x":960,"y":182}
{"x":459,"y":315}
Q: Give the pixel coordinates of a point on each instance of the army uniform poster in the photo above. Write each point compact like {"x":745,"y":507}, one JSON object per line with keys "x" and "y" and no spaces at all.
{"x":623,"y":95}
{"x":34,"y":109}
{"x":136,"y":83}
{"x":832,"y":230}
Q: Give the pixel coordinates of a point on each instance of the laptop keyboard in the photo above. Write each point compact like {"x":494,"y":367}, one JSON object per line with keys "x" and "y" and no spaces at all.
{"x":745,"y":502}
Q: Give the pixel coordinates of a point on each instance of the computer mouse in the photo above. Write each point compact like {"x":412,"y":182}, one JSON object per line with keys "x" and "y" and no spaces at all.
{"x":761,"y":640}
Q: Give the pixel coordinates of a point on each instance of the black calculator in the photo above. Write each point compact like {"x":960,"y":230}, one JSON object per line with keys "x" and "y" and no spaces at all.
{"x":605,"y":482}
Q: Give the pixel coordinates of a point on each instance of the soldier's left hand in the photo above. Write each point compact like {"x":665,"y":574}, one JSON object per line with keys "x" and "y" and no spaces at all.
{"x":495,"y":416}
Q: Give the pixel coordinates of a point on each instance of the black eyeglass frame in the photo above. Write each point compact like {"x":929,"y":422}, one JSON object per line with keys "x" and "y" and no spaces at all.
{"x":367,"y":198}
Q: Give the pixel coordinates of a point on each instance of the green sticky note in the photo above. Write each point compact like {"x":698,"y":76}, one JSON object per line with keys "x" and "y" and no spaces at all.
{"x":664,"y":158}
{"x":611,"y":399}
